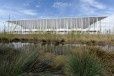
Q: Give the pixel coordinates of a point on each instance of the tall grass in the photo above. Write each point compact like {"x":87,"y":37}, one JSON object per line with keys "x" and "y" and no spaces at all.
{"x":49,"y":59}
{"x":15,"y":63}
{"x":85,"y":64}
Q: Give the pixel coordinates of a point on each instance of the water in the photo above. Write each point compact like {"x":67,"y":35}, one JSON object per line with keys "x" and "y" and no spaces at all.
{"x":52,"y":48}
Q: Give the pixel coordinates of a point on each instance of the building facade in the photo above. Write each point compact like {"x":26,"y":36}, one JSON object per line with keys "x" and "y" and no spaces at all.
{"x":95,"y":25}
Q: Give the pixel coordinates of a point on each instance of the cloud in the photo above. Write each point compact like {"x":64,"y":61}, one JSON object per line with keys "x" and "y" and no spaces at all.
{"x":28,"y":12}
{"x":32,"y":9}
{"x":61,"y":5}
{"x":93,"y":7}
{"x":37,"y":6}
{"x":16,"y":12}
{"x":83,"y":8}
{"x":94,"y":3}
{"x":26,"y":4}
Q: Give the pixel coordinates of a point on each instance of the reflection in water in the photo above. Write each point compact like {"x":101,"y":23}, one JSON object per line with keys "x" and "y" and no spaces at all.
{"x":50,"y":47}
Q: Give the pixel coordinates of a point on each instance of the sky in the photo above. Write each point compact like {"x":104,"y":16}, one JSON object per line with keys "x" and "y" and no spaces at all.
{"x":28,"y":9}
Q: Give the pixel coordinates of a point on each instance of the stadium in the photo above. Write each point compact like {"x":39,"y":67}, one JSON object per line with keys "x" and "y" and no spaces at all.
{"x":92,"y":25}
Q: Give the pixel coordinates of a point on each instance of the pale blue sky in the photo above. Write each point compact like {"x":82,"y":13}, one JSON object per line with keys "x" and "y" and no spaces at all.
{"x":18,"y":9}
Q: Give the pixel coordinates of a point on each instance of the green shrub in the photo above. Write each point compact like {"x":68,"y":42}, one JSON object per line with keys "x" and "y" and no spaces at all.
{"x":13,"y":63}
{"x":105,"y":56}
{"x":84,"y":64}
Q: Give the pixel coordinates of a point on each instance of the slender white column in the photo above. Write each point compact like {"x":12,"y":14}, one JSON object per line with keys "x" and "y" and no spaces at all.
{"x":55,"y":25}
{"x":89,"y":20}
{"x":97,"y":24}
{"x":76,"y":24}
{"x":82,"y":23}
{"x":66,"y":21}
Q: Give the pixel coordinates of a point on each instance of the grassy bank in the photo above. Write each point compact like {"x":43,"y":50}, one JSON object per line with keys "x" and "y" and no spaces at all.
{"x":94,"y":39}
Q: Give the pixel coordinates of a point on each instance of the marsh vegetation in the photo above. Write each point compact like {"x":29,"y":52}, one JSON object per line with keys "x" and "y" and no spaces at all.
{"x":52,"y":54}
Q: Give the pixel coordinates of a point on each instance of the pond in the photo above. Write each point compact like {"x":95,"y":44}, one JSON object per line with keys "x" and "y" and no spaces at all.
{"x":51,"y":47}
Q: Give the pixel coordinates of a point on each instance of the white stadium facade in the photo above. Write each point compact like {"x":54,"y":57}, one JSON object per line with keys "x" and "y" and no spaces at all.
{"x":92,"y":25}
